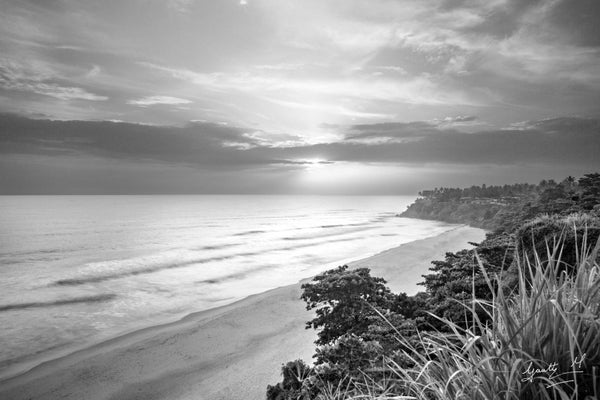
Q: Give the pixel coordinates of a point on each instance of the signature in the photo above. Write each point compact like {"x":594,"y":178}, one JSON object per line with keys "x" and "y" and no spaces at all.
{"x":552,"y":371}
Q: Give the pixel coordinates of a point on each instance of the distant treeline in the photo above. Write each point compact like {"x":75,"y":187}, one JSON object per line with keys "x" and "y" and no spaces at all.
{"x":524,"y":297}
{"x":506,"y":207}
{"x":510,"y":192}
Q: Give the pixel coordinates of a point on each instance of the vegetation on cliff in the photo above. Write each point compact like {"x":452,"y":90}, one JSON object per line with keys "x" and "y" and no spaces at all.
{"x":518,"y":314}
{"x":505,"y":208}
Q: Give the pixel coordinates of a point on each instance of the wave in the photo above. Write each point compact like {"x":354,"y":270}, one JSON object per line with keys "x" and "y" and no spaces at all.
{"x":217,"y":246}
{"x":234,"y":276}
{"x":160,"y":267}
{"x":75,"y":300}
{"x":339,"y":233}
{"x":343,"y":225}
{"x":31,"y":252}
{"x":382,"y":217}
{"x":246,"y":233}
{"x":147,"y":270}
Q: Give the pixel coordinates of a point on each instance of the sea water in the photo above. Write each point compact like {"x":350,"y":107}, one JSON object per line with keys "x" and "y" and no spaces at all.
{"x":79,"y":269}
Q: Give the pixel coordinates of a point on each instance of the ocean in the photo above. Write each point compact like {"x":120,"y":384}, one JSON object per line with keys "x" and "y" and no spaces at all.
{"x":76,"y":270}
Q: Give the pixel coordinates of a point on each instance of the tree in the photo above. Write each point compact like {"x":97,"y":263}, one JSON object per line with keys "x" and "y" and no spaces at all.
{"x":344,"y":301}
{"x":590,"y":190}
{"x":455,"y":280}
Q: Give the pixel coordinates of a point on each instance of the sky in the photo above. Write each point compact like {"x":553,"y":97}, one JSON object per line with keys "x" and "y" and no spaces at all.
{"x":298,"y":97}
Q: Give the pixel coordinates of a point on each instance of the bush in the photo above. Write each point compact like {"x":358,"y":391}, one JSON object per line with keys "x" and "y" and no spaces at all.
{"x":576,"y":233}
{"x":459,"y":279}
{"x":296,"y":384}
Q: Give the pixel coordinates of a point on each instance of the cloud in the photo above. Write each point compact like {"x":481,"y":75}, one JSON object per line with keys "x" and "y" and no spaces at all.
{"x":508,"y":47}
{"x":389,"y":132}
{"x":470,"y":122}
{"x":569,"y":141}
{"x":94,"y":72}
{"x":292,"y":66}
{"x":561,"y":126}
{"x":182,"y":6}
{"x":116,"y":157}
{"x":334,"y":109}
{"x":200,"y":144}
{"x":15,"y":76}
{"x":422,"y":89}
{"x":461,"y":118}
{"x":566,"y":141}
{"x":154,"y":100}
{"x":54,"y":90}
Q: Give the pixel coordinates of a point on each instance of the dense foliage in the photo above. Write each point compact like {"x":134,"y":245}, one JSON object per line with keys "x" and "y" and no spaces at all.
{"x":364,"y":328}
{"x":344,"y":301}
{"x":540,"y":234}
{"x":543,"y":342}
{"x":505,"y":208}
{"x":294,"y":383}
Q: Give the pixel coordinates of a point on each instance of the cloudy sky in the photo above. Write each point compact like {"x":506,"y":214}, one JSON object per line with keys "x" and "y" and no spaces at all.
{"x":295,"y":96}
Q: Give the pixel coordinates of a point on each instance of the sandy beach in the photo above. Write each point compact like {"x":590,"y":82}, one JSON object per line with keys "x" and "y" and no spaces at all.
{"x":232,"y":352}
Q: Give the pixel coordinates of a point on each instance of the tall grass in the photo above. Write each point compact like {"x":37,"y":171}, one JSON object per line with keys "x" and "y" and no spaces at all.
{"x":543,"y":341}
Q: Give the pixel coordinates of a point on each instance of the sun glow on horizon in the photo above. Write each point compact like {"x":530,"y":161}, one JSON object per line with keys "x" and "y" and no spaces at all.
{"x":322,"y":176}
{"x":315,"y":163}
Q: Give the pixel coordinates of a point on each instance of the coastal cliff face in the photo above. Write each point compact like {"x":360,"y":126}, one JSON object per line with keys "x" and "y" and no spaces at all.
{"x":479,"y":213}
{"x":505,"y":208}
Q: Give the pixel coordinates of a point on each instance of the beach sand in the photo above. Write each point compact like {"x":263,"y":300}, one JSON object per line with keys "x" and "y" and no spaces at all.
{"x":230,"y":353}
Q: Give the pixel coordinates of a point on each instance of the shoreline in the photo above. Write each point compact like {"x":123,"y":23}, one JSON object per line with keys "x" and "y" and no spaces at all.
{"x":214,"y":353}
{"x":21,"y":367}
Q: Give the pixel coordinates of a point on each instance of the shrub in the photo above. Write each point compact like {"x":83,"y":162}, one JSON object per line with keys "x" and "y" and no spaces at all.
{"x":576,"y":233}
{"x":295,"y":385}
